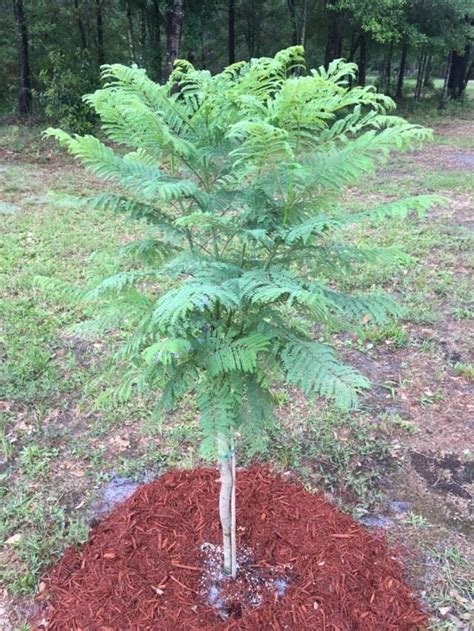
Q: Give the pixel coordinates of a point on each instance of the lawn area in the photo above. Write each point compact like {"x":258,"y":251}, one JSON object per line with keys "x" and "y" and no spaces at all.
{"x":403,"y":462}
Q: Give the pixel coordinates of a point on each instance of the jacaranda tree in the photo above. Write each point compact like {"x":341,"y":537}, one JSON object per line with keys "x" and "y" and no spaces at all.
{"x":239,"y":175}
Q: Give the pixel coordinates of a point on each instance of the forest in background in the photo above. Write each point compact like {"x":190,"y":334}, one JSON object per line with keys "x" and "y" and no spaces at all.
{"x":51,"y":50}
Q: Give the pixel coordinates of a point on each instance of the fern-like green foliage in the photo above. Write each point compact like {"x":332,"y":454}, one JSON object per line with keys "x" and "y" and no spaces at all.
{"x":238,"y":176}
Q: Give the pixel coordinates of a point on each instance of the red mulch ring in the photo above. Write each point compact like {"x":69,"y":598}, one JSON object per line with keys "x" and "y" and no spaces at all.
{"x":145,"y":566}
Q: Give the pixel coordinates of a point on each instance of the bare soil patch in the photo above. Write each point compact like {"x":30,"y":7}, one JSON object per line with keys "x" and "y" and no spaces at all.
{"x":448,"y":473}
{"x":438,"y":157}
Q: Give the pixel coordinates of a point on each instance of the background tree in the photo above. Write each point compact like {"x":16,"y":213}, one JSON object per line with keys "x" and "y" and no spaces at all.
{"x":24,"y":92}
{"x":379,"y":21}
{"x":78,"y":6}
{"x":99,"y":17}
{"x":174,"y":26}
{"x":389,"y":39}
{"x":231,"y":31}
{"x":239,"y":175}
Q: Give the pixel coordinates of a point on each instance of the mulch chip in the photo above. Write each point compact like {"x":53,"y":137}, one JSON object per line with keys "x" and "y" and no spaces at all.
{"x":143,"y":567}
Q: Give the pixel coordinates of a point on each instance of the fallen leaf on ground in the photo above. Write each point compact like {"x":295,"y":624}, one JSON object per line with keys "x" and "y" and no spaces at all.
{"x":14,"y":539}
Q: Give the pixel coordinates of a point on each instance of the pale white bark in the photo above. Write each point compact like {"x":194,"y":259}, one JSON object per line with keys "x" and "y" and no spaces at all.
{"x":227,"y":504}
{"x":233,"y":514}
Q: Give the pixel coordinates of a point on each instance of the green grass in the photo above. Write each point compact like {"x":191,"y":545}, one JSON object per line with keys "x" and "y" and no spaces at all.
{"x":52,"y":238}
{"x":453,"y":593}
{"x":44,"y":372}
{"x":339,"y":453}
{"x":467,"y":370}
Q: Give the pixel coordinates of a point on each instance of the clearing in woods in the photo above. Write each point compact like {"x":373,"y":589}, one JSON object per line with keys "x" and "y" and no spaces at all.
{"x":404,"y":462}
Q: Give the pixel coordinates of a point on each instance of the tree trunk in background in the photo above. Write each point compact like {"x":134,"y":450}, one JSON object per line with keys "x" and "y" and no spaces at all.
{"x":80,"y":26}
{"x":386,"y":70}
{"x":353,"y":46}
{"x":362,"y":59}
{"x":459,"y":67}
{"x":334,"y":39}
{"x":304,"y":21}
{"x":389,"y":69}
{"x":255,"y":15}
{"x":155,"y":39}
{"x":355,"y":41}
{"x":25,"y":98}
{"x":421,"y":74}
{"x":444,"y":95}
{"x":428,"y":68}
{"x":174,"y":24}
{"x":131,"y":43}
{"x":401,"y":71}
{"x":294,"y":24}
{"x":100,"y":32}
{"x":142,"y":37}
{"x":468,"y":76}
{"x":298,"y":23}
{"x":231,"y":31}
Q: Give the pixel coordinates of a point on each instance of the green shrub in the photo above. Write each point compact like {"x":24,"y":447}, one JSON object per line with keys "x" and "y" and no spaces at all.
{"x":62,"y":87}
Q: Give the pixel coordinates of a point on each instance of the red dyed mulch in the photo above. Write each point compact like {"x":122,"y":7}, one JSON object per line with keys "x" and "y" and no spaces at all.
{"x":142,"y":567}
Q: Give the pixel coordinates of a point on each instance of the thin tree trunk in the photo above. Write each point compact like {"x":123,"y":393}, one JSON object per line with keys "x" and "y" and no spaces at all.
{"x":100,"y":33}
{"x":155,"y":38}
{"x":304,"y":20}
{"x":353,"y":46}
{"x":362,"y":59}
{"x":130,"y":37}
{"x":334,"y":38}
{"x":389,"y":68}
{"x":401,"y":72}
{"x":231,"y":26}
{"x":427,"y":74}
{"x":142,"y":37}
{"x":298,"y":24}
{"x":227,"y":504}
{"x":25,"y":97}
{"x":175,"y":19}
{"x":80,"y":26}
{"x":386,"y":70}
{"x":355,"y":41}
{"x":420,"y":64}
{"x":294,"y":24}
{"x":444,"y":94}
{"x":421,"y":74}
{"x":253,"y":27}
{"x":233,"y":512}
